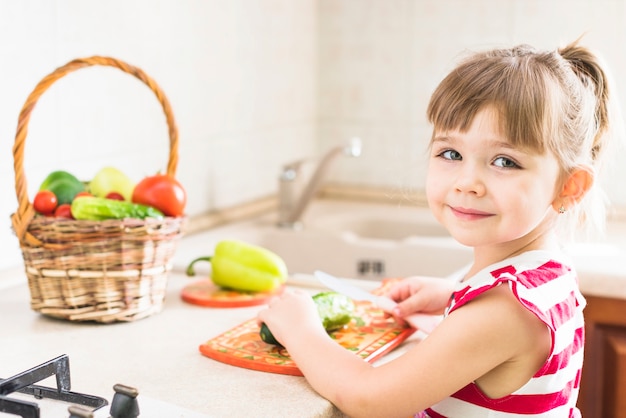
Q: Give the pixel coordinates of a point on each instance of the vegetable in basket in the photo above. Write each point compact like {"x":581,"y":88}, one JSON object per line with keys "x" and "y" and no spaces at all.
{"x":335,"y":311}
{"x":45,"y":202}
{"x":64,"y":185}
{"x":45,"y":239}
{"x":110,"y":180}
{"x":100,"y":208}
{"x":241,"y":266}
{"x":163,"y":192}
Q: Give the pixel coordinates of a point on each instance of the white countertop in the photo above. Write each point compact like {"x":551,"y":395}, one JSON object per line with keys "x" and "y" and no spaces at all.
{"x":158,"y":355}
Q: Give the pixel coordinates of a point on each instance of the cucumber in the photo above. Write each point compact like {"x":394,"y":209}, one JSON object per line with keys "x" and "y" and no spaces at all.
{"x":99,"y":209}
{"x":335,"y":311}
{"x":267,"y":336}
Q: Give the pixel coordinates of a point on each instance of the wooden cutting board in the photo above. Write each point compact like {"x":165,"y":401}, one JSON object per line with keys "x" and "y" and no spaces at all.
{"x":369,"y":335}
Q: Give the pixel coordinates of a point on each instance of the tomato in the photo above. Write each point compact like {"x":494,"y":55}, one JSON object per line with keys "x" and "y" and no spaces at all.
{"x":162,"y":192}
{"x":45,"y":202}
{"x":64,"y":211}
{"x":114,"y":196}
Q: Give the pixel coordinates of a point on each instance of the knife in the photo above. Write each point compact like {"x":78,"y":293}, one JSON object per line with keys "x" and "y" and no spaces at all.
{"x":423,"y":322}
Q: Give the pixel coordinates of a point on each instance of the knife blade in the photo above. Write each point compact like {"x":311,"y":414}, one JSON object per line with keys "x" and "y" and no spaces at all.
{"x":423,"y":322}
{"x":353,"y":292}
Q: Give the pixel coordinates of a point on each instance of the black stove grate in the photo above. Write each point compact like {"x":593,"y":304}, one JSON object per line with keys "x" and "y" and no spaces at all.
{"x":25,"y":382}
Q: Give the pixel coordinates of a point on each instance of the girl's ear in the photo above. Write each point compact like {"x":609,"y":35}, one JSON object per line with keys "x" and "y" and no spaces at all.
{"x":574,"y":189}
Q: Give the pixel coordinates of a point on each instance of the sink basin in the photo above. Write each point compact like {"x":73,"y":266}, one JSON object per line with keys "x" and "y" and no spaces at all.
{"x":348,"y":255}
{"x":368,"y":241}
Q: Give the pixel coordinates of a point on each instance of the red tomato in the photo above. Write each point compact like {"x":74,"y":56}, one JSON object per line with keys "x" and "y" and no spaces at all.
{"x":114,"y":196}
{"x":64,"y":211}
{"x":162,"y":192}
{"x":45,"y":202}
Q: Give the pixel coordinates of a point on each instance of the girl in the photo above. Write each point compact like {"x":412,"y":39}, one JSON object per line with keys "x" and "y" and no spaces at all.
{"x":518,"y":137}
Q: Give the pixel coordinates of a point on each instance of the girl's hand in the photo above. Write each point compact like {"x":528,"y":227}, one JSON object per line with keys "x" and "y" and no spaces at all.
{"x":419,"y":294}
{"x":291,"y":314}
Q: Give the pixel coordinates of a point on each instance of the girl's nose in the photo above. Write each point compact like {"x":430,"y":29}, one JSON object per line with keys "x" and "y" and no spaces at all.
{"x":470,"y":180}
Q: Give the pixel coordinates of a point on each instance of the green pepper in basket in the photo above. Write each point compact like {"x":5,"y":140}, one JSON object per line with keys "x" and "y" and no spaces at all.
{"x":241,"y":266}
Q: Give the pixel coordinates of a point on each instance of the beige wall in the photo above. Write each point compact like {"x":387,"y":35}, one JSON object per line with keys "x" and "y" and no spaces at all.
{"x":380,"y":60}
{"x":255,"y":84}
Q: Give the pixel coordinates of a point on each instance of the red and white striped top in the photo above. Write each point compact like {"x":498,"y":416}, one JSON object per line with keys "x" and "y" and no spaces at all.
{"x":548,"y":288}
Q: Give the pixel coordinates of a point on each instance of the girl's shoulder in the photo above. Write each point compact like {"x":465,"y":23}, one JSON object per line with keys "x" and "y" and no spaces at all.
{"x":529,"y":275}
{"x":531,"y":266}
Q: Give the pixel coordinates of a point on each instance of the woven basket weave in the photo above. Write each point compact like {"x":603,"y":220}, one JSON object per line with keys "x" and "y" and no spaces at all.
{"x":102,"y":271}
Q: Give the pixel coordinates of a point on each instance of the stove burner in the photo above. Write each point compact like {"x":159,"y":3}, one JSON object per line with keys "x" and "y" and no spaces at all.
{"x":124,"y":401}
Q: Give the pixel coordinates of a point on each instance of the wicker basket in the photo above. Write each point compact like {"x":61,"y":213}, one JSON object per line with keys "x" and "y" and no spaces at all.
{"x":102,"y":271}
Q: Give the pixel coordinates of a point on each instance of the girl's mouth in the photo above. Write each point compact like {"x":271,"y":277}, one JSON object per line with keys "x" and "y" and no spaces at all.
{"x":469,"y":214}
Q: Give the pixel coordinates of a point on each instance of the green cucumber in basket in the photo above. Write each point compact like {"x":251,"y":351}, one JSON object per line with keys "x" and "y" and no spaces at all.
{"x":99,"y":208}
{"x":335,"y":311}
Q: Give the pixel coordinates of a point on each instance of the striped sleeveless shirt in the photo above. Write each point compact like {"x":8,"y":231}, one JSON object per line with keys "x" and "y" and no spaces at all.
{"x":548,"y":288}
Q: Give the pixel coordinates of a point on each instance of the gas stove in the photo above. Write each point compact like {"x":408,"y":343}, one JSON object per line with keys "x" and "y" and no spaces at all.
{"x":19,"y":393}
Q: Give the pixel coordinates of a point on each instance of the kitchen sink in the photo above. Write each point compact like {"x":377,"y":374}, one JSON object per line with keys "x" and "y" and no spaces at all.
{"x":346,"y":254}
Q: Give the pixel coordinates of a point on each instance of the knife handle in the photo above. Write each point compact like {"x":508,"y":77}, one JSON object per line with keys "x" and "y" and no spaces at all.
{"x":423,"y":322}
{"x":385,"y":303}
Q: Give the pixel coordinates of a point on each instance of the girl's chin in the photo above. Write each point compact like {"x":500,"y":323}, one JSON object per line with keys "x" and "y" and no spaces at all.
{"x":467,"y":238}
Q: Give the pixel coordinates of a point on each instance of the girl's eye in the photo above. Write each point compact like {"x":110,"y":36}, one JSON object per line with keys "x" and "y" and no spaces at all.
{"x":451,"y":155}
{"x":504,"y":162}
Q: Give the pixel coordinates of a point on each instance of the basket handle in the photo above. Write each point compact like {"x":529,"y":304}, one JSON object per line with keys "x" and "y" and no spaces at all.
{"x":25,"y":213}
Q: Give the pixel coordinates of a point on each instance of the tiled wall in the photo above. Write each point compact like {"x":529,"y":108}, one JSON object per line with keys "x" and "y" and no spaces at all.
{"x":255,"y":84}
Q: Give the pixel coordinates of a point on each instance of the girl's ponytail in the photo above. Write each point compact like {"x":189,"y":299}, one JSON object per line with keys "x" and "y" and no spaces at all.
{"x":589,"y":71}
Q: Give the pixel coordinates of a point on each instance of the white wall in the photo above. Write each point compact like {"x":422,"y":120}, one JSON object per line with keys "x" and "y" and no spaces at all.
{"x":257,"y":83}
{"x":240,"y":75}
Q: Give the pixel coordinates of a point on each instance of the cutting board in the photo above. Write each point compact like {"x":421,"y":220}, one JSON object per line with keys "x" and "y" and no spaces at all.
{"x":206,"y":293}
{"x":369,"y":335}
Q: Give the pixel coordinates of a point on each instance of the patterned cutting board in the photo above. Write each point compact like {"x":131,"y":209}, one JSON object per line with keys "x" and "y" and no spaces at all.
{"x":369,"y":335}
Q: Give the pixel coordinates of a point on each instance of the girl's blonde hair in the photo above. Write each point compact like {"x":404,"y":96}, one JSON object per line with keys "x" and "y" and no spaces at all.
{"x":547,"y":101}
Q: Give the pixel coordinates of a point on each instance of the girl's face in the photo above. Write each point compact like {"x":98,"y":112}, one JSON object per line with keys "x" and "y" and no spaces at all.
{"x":487,"y":193}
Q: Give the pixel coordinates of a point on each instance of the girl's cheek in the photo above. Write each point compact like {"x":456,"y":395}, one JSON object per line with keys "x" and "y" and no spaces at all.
{"x":433,"y":195}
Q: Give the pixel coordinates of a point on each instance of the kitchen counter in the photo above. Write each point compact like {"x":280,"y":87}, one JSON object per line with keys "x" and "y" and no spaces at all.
{"x":158,"y":355}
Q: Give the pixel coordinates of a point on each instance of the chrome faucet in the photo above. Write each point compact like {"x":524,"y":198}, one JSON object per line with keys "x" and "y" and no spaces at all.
{"x":292,"y":201}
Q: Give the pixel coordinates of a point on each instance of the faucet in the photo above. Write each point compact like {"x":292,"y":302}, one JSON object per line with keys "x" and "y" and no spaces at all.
{"x":291,"y":206}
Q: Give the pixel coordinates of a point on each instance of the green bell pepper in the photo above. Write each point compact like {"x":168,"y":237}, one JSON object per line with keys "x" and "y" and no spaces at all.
{"x":241,"y":266}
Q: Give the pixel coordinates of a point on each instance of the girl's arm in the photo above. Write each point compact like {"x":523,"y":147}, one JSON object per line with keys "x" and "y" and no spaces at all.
{"x":489,"y":339}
